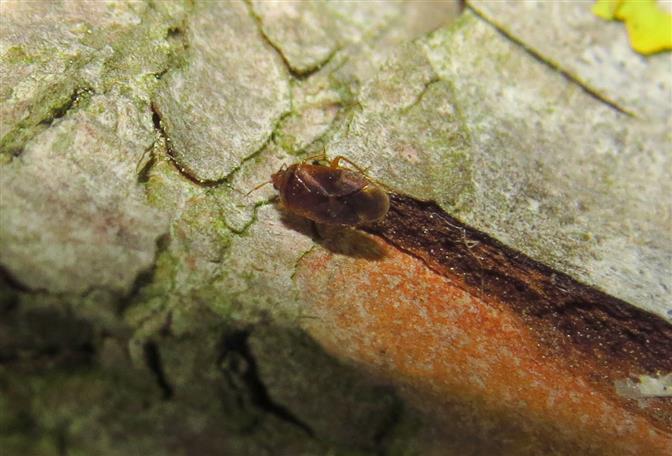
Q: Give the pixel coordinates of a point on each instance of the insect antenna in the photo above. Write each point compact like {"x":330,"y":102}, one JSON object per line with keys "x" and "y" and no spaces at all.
{"x":259,"y":186}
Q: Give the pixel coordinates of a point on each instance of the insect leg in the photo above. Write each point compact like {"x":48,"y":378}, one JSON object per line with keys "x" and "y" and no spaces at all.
{"x":317,"y":236}
{"x":339,"y":158}
{"x":321,"y":156}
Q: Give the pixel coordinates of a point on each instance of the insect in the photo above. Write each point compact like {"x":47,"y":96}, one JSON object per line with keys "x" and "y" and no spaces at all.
{"x":330,"y":194}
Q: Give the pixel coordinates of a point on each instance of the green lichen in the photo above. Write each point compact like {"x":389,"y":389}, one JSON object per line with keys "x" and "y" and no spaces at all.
{"x":144,"y":54}
{"x":140,"y":56}
{"x":52,"y":104}
{"x":17,"y":55}
{"x":283,"y":139}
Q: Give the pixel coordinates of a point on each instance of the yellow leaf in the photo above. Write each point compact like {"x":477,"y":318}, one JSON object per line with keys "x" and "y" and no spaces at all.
{"x":649,"y":27}
{"x":606,"y":9}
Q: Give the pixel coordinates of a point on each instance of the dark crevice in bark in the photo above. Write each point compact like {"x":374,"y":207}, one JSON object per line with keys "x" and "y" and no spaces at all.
{"x":179,"y":33}
{"x":35,"y":337}
{"x":69,"y":99}
{"x":237,"y":343}
{"x":574,"y":322}
{"x":50,"y":355}
{"x":40,"y":335}
{"x":293,"y":72}
{"x":255,"y":210}
{"x":550,"y":299}
{"x":58,"y":100}
{"x":163,"y":136}
{"x":10,"y":283}
{"x":388,"y":427}
{"x":156,"y":121}
{"x":160,"y":137}
{"x":161,"y":73}
{"x":145,"y":166}
{"x":153,"y":360}
{"x":144,"y":278}
{"x":184,"y":171}
{"x":177,"y":37}
{"x":62,"y":440}
{"x":69,"y":103}
{"x":175,"y":32}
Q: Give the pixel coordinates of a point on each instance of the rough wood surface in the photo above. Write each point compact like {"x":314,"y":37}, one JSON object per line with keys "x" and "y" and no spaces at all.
{"x":149,"y":304}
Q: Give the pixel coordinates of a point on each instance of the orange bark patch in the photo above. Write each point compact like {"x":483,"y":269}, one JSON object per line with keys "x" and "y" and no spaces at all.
{"x":468,"y":355}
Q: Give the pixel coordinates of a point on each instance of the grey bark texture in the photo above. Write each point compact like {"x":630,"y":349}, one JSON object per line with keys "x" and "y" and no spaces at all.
{"x":148,"y":302}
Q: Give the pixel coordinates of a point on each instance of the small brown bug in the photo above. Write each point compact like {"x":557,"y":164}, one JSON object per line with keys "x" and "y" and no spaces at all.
{"x":331,"y":194}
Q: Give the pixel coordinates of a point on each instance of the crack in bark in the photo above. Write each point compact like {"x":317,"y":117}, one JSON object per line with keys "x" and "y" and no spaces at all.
{"x":387,"y":429}
{"x":10,"y":282}
{"x":58,"y":112}
{"x":190,"y":174}
{"x":176,"y":56}
{"x":29,"y":344}
{"x":295,"y":269}
{"x":165,"y":138}
{"x":296,"y":74}
{"x":246,"y":227}
{"x":155,"y":365}
{"x":175,"y":61}
{"x":237,"y":343}
{"x":161,"y":131}
{"x":62,"y":439}
{"x":270,"y":139}
{"x":13,"y":143}
{"x":143,"y":278}
{"x":538,"y":56}
{"x":434,"y":80}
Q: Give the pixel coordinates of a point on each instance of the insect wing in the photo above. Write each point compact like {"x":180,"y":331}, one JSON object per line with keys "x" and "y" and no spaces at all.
{"x":332,"y":182}
{"x":333,"y":196}
{"x":370,"y":203}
